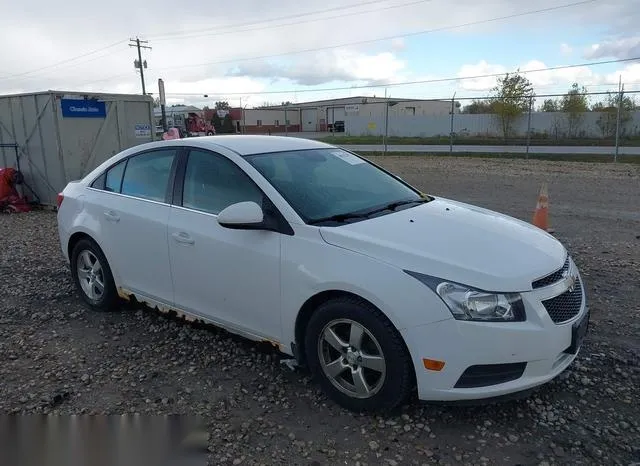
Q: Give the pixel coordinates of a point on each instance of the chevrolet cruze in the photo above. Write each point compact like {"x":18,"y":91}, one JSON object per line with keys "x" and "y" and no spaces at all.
{"x":379,"y":289}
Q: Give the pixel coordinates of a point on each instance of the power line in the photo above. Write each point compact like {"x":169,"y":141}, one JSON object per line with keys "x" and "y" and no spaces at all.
{"x":63,"y":61}
{"x":485,"y":97}
{"x":66,"y":67}
{"x":295,"y":23}
{"x":448,"y":98}
{"x":612,"y":84}
{"x":427,"y":31}
{"x":407,"y":83}
{"x":368,"y":41}
{"x":252,"y":23}
{"x":341,"y":8}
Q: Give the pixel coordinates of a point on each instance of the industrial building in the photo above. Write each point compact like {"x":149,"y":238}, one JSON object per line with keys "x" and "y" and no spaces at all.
{"x":313,"y":116}
{"x":271,"y":120}
{"x":321,"y":115}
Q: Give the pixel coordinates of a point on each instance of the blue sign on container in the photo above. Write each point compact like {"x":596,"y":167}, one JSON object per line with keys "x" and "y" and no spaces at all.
{"x":78,"y":108}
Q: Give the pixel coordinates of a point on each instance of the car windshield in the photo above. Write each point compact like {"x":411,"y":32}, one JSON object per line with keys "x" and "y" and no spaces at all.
{"x":332,"y":185}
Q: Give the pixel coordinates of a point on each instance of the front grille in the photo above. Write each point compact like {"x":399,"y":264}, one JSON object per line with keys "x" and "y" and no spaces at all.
{"x":485,"y":375}
{"x":566,"y":306}
{"x":551,"y":278}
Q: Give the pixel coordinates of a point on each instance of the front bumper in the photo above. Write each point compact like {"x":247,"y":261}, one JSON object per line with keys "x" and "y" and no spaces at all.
{"x":486,"y":360}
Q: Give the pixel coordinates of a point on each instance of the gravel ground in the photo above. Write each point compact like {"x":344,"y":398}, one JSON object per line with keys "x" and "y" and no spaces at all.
{"x":62,"y":358}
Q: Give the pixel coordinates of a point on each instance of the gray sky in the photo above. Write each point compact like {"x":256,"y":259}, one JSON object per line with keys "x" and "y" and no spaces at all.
{"x":199,"y":49}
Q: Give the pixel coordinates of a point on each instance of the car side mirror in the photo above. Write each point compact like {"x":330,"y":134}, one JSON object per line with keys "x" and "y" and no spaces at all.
{"x":242,"y":216}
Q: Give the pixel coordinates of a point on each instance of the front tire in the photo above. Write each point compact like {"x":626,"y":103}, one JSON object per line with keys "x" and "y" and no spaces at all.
{"x":358,"y":356}
{"x":92,"y":276}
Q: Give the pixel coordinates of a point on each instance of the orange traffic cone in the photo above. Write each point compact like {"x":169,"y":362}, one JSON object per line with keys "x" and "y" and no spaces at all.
{"x":541,"y":214}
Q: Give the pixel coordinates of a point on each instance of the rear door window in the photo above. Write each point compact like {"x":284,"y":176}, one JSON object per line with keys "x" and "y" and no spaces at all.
{"x":147,"y":175}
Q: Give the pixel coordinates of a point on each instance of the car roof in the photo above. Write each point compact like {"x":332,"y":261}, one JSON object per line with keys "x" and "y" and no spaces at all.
{"x":241,"y":144}
{"x":248,"y":144}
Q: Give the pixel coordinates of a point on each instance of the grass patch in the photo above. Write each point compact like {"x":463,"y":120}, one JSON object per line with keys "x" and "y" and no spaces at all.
{"x":590,"y":158}
{"x":478,"y":141}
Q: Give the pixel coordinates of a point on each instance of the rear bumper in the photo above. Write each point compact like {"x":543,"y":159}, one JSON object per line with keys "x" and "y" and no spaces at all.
{"x":63,"y":236}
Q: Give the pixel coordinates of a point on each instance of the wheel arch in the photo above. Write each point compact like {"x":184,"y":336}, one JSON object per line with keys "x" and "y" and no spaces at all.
{"x":75,"y":239}
{"x":311,"y":305}
{"x":82,"y":234}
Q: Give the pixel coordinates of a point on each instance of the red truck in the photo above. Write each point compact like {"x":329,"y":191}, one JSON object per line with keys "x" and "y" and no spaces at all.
{"x":198,"y":126}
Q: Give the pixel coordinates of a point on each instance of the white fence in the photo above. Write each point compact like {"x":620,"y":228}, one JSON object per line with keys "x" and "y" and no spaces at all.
{"x":552,"y":124}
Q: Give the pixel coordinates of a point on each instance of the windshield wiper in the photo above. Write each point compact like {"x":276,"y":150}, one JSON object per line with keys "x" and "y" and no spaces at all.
{"x":339,"y":217}
{"x":368,"y":213}
{"x":396,"y":204}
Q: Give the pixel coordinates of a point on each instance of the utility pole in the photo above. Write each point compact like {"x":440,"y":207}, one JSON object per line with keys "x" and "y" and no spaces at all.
{"x":386,"y":121}
{"x":529,"y":125}
{"x":453,"y":101}
{"x":244,"y":119}
{"x":163,"y":104}
{"x":620,"y":93}
{"x":139,"y":63}
{"x":286,"y":125}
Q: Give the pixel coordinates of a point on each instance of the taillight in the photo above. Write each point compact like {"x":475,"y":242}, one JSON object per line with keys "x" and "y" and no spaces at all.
{"x":60,"y":199}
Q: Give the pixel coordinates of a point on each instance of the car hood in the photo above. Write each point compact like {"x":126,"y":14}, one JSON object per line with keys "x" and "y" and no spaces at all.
{"x":458,"y":242}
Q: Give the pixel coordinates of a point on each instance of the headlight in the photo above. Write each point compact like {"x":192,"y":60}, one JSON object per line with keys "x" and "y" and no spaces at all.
{"x":467,"y":303}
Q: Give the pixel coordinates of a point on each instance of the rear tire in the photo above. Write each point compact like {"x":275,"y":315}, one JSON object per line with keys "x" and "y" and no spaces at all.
{"x":92,"y":276}
{"x":358,"y":356}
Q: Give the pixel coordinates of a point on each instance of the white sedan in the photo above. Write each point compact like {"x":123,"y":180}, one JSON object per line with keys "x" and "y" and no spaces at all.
{"x":381,"y":290}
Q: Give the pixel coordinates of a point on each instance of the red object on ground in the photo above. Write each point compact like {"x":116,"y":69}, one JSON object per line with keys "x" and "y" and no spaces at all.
{"x":10,"y":199}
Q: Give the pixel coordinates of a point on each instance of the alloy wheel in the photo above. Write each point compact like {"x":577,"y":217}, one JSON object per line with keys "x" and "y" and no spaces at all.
{"x":351,"y":358}
{"x":90,"y":275}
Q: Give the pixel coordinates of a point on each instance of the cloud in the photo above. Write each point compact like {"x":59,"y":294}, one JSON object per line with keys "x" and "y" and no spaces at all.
{"x":566,"y":76}
{"x":327,"y":67}
{"x":541,"y":80}
{"x":628,"y":47}
{"x":215,"y":89}
{"x":629,"y":74}
{"x":398,"y":44}
{"x":219,"y":46}
{"x":479,"y":69}
{"x":566,"y":49}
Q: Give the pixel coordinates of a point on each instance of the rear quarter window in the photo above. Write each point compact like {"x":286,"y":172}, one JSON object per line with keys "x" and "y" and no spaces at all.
{"x":113,"y":178}
{"x":98,"y":183}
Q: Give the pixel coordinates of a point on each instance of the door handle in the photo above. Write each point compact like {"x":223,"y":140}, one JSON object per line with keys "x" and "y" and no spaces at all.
{"x":112,"y":216}
{"x":183,"y":237}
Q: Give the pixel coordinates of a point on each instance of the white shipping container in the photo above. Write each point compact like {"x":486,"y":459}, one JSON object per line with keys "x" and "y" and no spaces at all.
{"x":62,"y":136}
